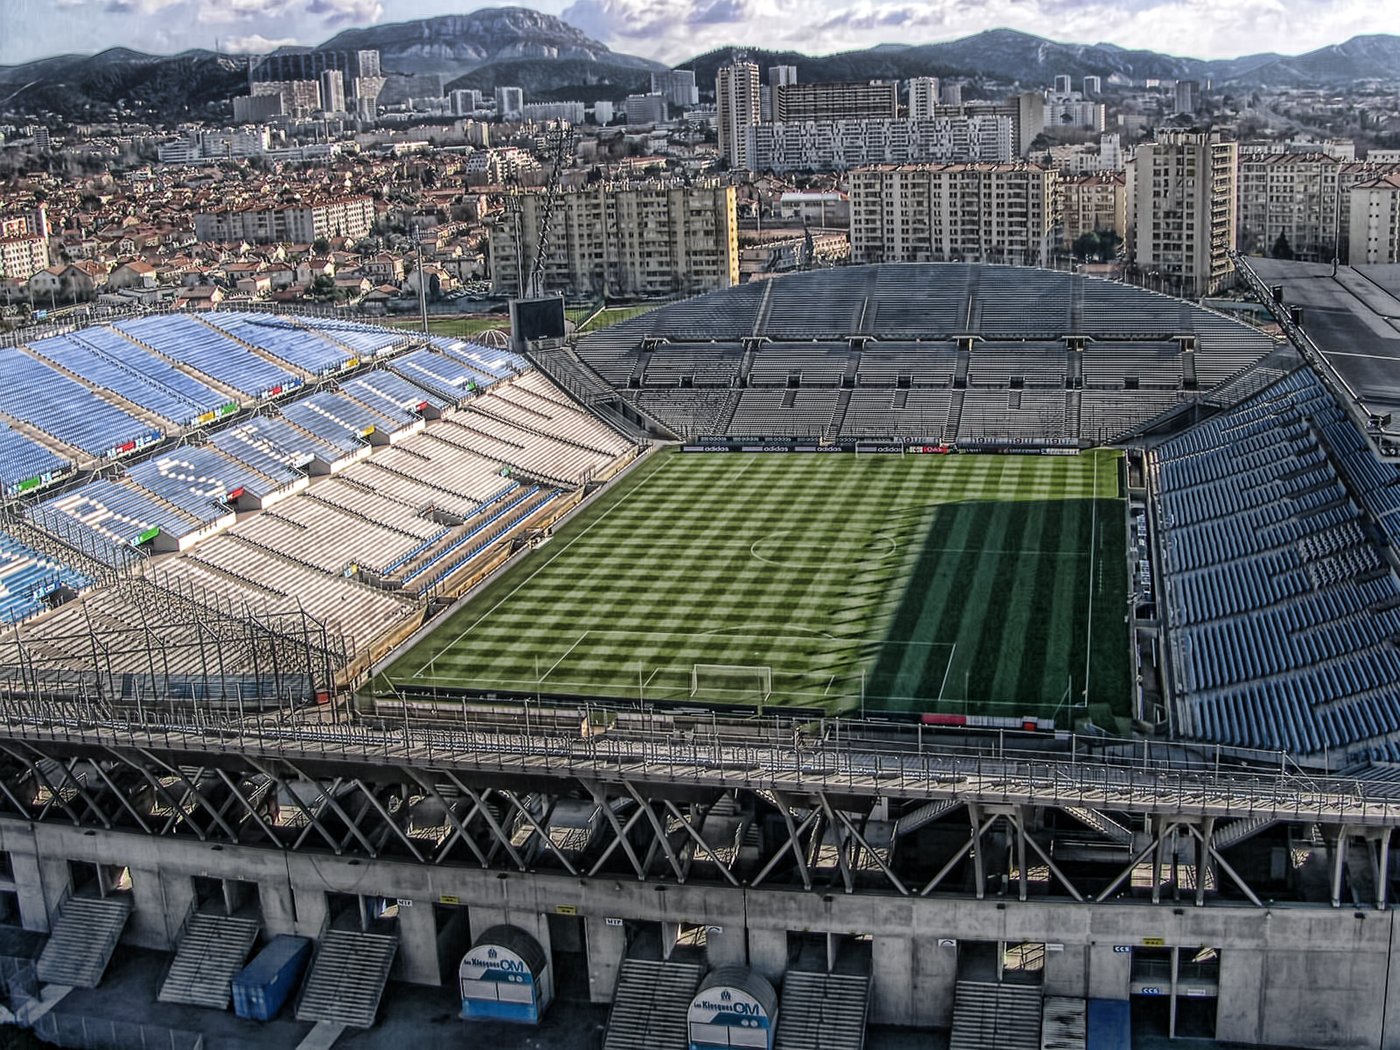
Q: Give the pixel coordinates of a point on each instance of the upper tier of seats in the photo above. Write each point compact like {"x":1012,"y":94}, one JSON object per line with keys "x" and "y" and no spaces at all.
{"x":1283,"y":612}
{"x":947,"y":325}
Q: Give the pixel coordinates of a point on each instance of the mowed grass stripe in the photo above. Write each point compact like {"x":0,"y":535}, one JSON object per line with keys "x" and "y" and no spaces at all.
{"x":826,"y":568}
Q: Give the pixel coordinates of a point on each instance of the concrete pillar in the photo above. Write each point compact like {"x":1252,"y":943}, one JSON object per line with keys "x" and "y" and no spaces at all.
{"x":311,"y":910}
{"x":417,"y":961}
{"x":934,"y":983}
{"x":29,"y":889}
{"x":725,"y":946}
{"x":768,"y":953}
{"x":278,"y":911}
{"x":1109,"y":971}
{"x":605,"y":947}
{"x":1237,"y":1016}
{"x":1064,"y":971}
{"x":1390,"y":1020}
{"x":892,"y":972}
{"x":155,"y":922}
{"x":56,"y":880}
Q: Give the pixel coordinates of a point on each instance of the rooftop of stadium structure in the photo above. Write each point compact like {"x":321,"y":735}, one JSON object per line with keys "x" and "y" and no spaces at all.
{"x":1352,"y":314}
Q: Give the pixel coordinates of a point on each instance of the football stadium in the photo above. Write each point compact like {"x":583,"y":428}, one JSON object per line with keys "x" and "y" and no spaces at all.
{"x":987,"y":651}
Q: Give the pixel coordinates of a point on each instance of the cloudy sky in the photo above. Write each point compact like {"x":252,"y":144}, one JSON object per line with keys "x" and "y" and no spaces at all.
{"x":673,"y":30}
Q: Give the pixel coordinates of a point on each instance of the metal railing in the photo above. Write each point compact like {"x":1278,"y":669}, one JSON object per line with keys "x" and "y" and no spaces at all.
{"x":96,"y":1033}
{"x":772,"y":754}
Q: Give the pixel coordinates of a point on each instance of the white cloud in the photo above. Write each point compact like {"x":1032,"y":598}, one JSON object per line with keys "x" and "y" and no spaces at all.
{"x":256,"y":44}
{"x":674,"y":30}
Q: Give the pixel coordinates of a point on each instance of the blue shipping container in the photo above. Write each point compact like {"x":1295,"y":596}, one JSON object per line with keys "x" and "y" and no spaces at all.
{"x":1110,"y":1025}
{"x":261,"y":987}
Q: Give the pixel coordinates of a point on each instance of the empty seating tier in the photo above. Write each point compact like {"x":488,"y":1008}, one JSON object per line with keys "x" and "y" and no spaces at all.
{"x":1283,"y":614}
{"x":953,"y":325}
{"x":191,"y":342}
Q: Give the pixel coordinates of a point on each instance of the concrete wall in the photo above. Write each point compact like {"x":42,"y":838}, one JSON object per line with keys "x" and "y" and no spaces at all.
{"x":1295,"y":975}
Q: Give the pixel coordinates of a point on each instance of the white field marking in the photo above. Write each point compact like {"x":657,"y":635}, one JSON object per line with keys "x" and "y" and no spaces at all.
{"x":477,"y":622}
{"x":821,"y":545}
{"x":564,"y":657}
{"x":1093,"y":547}
{"x":947,"y":670}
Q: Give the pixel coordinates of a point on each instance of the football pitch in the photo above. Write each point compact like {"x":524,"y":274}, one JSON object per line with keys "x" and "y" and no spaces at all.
{"x":964,"y":584}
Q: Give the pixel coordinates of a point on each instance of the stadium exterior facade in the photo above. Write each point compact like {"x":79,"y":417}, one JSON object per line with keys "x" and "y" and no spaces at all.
{"x":900,"y":873}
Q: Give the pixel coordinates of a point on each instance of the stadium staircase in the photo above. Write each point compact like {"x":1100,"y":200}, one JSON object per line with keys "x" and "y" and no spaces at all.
{"x":1238,"y":830}
{"x":82,"y":940}
{"x":1064,"y":1025}
{"x":210,"y":953}
{"x":838,"y":415}
{"x":650,"y":1003}
{"x":926,"y":814}
{"x":822,"y":1011}
{"x":1103,"y":824}
{"x":989,"y":1015}
{"x":955,"y":407}
{"x":346,"y":978}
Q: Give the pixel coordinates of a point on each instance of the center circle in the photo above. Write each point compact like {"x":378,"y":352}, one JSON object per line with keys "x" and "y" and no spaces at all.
{"x":802,"y":549}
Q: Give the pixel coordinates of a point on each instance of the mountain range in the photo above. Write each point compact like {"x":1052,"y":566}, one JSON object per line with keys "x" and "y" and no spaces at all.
{"x":551,"y":59}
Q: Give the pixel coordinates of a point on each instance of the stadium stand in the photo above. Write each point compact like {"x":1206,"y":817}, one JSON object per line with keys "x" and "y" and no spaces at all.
{"x":124,"y":514}
{"x":26,"y":464}
{"x":275,"y":448}
{"x":688,"y":412}
{"x":200,"y":481}
{"x":28,"y":578}
{"x":188,"y":341}
{"x":62,"y":408}
{"x":1282,"y":610}
{"x":392,"y":395}
{"x":785,"y":413}
{"x":343,"y":422}
{"x":949,"y":325}
{"x":450,"y":377}
{"x":918,"y":414}
{"x":107,"y":361}
{"x":301,"y":348}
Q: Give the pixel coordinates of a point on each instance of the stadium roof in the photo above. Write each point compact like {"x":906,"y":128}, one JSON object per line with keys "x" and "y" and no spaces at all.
{"x":1353,"y":317}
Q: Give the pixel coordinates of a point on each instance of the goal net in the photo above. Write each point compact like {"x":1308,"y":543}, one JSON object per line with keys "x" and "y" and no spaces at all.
{"x":737,"y":683}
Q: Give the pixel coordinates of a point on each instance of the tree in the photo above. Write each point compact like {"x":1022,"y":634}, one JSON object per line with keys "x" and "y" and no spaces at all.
{"x":1282,"y":249}
{"x":320,"y":246}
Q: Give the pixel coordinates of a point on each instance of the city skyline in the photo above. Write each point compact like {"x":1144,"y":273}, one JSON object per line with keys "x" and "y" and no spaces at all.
{"x":676,"y":30}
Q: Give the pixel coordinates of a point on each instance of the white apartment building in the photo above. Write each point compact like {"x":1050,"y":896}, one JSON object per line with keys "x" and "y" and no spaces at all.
{"x":737,"y":103}
{"x":923,"y":97}
{"x":644,"y":239}
{"x":299,"y":223}
{"x":1092,"y":204}
{"x":1005,"y":213}
{"x":22,"y":256}
{"x":1305,"y":196}
{"x":1185,"y":209}
{"x":1375,"y":221}
{"x":837,"y":145}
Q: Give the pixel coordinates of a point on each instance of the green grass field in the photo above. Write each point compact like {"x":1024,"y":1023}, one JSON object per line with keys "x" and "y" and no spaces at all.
{"x":962,"y":583}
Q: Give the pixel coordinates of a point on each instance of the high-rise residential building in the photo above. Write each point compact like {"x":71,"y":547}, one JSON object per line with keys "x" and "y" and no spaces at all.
{"x":1188,"y":96}
{"x":1185,"y":209}
{"x":539,"y":112}
{"x":603,"y":111}
{"x":333,"y":91}
{"x":257,"y":109}
{"x":737,"y":106}
{"x":644,"y":239}
{"x":1093,"y":86}
{"x":1093,"y":203}
{"x":645,"y":109}
{"x":782,"y":76}
{"x":362,"y":78}
{"x":22,"y":256}
{"x":1064,"y":84}
{"x":923,"y":97}
{"x":298,"y":223}
{"x":1003,"y":213}
{"x":1026,"y":111}
{"x":876,"y":100}
{"x":838,"y":145}
{"x":677,"y":86}
{"x":510,"y":103}
{"x":298,"y":97}
{"x":1375,"y":221}
{"x":42,"y":140}
{"x":465,"y":101}
{"x":950,"y":93}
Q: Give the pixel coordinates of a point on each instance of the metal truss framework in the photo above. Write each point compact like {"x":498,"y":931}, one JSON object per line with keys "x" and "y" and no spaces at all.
{"x":825,"y":814}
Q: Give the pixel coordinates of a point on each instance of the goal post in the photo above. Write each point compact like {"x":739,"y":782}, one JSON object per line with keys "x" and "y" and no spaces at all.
{"x":734,"y":682}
